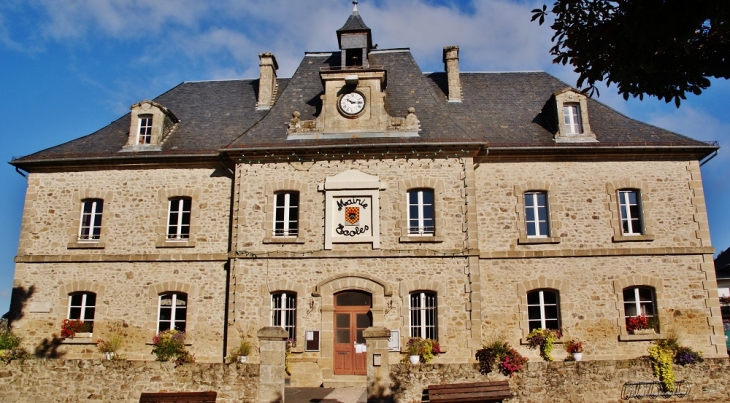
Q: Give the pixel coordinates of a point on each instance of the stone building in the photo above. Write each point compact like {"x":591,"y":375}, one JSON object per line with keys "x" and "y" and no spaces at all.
{"x":362,"y":192}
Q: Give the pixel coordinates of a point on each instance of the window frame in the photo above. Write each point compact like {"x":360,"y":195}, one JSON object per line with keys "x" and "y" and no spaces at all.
{"x":572,"y":118}
{"x":625,"y":214}
{"x":638,"y":303}
{"x":144,"y":132}
{"x":536,"y":208}
{"x":82,"y":307}
{"x":181,"y":213}
{"x":286,"y":315}
{"x":427,"y":309}
{"x":88,"y":221}
{"x":282,"y":202}
{"x":173,"y":311}
{"x":422,"y":210}
{"x":542,"y":305}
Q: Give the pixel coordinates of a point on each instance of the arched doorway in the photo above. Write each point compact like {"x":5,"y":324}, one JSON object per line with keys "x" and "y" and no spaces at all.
{"x":352,"y":316}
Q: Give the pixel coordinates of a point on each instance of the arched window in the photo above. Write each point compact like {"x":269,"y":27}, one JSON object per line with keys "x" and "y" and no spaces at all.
{"x":543,"y":309}
{"x":82,"y":306}
{"x":172,"y":313}
{"x":639,"y":301}
{"x":284,"y":312}
{"x":423,"y":315}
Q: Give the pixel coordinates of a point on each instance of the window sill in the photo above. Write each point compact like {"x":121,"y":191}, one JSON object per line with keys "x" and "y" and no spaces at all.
{"x":76,"y":244}
{"x":80,"y":338}
{"x":524,"y":342}
{"x":641,"y":337}
{"x":175,"y":244}
{"x":421,"y":239}
{"x":538,"y":240}
{"x":282,"y":239}
{"x":149,"y":343}
{"x":633,"y":238}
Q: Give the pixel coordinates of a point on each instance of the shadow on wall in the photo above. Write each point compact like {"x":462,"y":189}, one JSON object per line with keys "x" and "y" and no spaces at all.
{"x":18,"y":299}
{"x":48,"y":348}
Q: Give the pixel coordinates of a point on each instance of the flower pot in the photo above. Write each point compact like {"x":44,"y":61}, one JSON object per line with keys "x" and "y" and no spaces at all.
{"x":242,"y":358}
{"x":109,"y":356}
{"x":414,"y":359}
{"x":577,"y":356}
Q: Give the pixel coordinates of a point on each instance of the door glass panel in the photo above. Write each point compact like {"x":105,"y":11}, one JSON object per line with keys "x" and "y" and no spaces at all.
{"x":363,"y":320}
{"x":360,"y":339}
{"x":343,"y":336}
{"x":343,"y":320}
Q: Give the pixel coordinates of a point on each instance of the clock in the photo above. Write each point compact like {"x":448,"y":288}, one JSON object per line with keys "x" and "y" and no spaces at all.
{"x":352,"y":103}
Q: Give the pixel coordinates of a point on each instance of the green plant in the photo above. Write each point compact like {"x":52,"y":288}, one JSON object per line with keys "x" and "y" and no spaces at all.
{"x":244,"y":349}
{"x":498,"y":352}
{"x":544,"y":339}
{"x":111,"y":345}
{"x":426,"y":348}
{"x":170,"y":344}
{"x":10,"y":347}
{"x":663,"y":357}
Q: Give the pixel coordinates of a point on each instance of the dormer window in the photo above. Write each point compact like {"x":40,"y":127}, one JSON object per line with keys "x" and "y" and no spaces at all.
{"x":571,"y":113}
{"x":150,"y":125}
{"x":145,"y":129}
{"x":568,"y":110}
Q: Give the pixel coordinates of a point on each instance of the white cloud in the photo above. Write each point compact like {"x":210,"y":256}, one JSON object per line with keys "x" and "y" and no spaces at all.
{"x":692,"y":122}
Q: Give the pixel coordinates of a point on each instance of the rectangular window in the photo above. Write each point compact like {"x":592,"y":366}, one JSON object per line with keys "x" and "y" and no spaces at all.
{"x":145,"y":129}
{"x":571,"y":114}
{"x":178,"y":219}
{"x":286,"y":215}
{"x":536,"y":215}
{"x":423,"y":315}
{"x":629,"y":202}
{"x":82,"y":306}
{"x":90,"y":226}
{"x":284,"y":312}
{"x":172,"y":311}
{"x":421,"y":212}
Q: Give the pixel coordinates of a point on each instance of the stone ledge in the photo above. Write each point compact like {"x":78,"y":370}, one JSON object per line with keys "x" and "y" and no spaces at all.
{"x":421,"y":239}
{"x":600,"y":252}
{"x":151,"y":257}
{"x":538,"y":240}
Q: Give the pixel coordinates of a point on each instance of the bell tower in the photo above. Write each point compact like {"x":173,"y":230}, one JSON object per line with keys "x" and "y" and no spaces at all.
{"x":355,"y":41}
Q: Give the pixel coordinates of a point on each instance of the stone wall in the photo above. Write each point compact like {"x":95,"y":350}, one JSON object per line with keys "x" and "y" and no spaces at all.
{"x":570,"y":382}
{"x":122,"y":381}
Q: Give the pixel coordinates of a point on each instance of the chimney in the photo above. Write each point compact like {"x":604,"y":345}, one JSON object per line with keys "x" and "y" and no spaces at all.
{"x":267,"y":81}
{"x":451,"y":65}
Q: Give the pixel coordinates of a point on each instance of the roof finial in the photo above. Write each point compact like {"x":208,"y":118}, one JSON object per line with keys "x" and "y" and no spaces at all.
{"x":354,"y":8}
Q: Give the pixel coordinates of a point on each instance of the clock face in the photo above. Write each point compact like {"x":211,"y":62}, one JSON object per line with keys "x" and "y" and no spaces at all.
{"x":352,"y":103}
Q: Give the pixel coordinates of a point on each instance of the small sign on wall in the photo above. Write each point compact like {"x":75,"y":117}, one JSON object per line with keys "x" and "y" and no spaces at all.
{"x":312,"y":340}
{"x":394,"y":341}
{"x":352,"y":209}
{"x":39,"y":307}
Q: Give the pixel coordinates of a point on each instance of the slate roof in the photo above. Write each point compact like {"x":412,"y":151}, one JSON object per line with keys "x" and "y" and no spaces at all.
{"x":498,"y":110}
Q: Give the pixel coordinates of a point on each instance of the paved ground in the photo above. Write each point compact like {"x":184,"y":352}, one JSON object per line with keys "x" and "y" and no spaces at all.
{"x":324,"y":395}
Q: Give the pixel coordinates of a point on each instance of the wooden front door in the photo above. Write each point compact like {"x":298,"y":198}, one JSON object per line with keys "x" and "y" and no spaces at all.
{"x":352,"y":316}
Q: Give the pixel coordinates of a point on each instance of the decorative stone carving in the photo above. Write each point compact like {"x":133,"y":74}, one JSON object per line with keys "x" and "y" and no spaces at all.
{"x":297,"y":125}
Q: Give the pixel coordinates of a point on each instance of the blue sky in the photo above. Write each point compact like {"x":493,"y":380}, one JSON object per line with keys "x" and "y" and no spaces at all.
{"x":70,"y":67}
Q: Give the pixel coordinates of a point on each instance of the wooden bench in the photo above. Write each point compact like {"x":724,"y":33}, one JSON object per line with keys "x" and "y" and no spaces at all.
{"x":469,"y":392}
{"x":182,"y":397}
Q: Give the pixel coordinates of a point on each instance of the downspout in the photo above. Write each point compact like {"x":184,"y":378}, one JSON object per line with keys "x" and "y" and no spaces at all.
{"x":24,"y":175}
